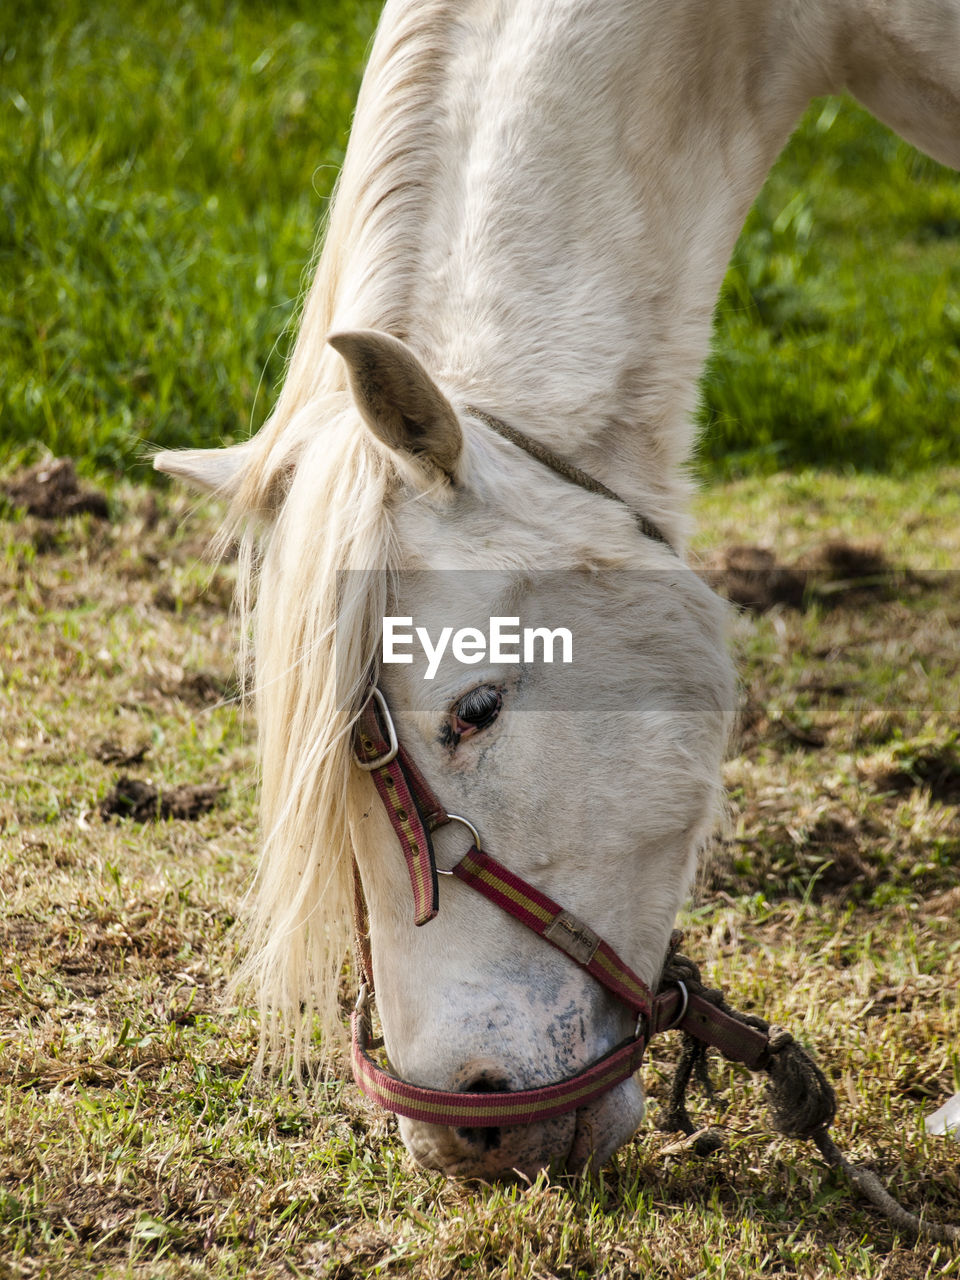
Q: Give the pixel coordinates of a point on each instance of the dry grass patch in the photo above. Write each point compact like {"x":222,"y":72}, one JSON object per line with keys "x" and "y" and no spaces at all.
{"x":135,"y":1142}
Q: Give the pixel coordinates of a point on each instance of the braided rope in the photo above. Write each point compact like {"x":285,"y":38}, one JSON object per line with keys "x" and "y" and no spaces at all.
{"x":567,"y":471}
{"x":801,"y":1100}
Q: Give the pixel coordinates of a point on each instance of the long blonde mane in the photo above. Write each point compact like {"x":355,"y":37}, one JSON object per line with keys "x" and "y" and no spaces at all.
{"x":314,"y":628}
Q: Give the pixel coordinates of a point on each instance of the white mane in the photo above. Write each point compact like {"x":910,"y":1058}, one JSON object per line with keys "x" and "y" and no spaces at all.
{"x":335,"y":519}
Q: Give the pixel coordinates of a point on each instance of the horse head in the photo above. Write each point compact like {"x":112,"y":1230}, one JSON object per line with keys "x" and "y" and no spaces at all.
{"x":596,"y":781}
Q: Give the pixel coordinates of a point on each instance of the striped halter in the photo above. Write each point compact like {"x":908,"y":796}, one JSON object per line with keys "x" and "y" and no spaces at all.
{"x":414,"y":812}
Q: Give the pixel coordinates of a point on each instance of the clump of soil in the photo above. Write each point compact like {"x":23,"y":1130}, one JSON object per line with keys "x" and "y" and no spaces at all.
{"x":203,"y":688}
{"x":843,"y":864}
{"x":51,"y":490}
{"x":849,"y":560}
{"x":110,"y":752}
{"x":143,"y":802}
{"x":753,"y":578}
{"x":936,"y":770}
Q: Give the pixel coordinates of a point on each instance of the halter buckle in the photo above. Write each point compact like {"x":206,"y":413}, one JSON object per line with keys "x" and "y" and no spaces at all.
{"x":394,"y":746}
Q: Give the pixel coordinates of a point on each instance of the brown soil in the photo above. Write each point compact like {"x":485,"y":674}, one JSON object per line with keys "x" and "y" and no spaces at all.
{"x":143,"y":802}
{"x":936,"y":770}
{"x":836,"y":572}
{"x":110,"y":752}
{"x":51,"y":490}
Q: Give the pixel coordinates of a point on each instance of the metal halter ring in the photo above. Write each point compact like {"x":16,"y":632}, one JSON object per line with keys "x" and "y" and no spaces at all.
{"x":368,"y":765}
{"x":455,"y":817}
{"x":363,"y":999}
{"x":683,"y":1008}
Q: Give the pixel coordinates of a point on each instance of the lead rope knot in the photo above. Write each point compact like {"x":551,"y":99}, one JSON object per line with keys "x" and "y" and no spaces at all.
{"x":779,"y":1038}
{"x":801,"y":1099}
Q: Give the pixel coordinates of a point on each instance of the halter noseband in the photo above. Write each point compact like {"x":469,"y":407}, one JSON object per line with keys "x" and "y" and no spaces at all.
{"x":414,"y":812}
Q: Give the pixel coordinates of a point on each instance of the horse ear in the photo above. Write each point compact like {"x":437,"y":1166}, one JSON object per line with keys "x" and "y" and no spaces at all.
{"x":398,"y":400}
{"x":216,"y":470}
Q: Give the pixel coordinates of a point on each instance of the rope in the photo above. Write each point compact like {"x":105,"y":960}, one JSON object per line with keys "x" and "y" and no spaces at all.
{"x":872,"y":1189}
{"x":566,"y":470}
{"x":801,"y":1100}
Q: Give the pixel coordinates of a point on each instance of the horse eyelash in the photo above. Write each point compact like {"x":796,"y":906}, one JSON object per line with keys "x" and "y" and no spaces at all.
{"x":463,"y":704}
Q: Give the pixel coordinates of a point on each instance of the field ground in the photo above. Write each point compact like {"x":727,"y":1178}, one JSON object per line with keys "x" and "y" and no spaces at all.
{"x":154,"y":257}
{"x":134,"y":1142}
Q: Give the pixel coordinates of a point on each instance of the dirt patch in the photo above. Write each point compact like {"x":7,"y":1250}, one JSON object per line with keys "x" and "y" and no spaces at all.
{"x":843,"y":864}
{"x":826,"y":865}
{"x":203,"y":689}
{"x":19,"y":933}
{"x":835,"y":572}
{"x":143,"y":802}
{"x":110,"y":752}
{"x":936,"y":770}
{"x":51,"y":490}
{"x":84,"y":979}
{"x":751,"y":578}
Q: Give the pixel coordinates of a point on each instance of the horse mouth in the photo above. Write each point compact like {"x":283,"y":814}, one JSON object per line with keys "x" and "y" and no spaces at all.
{"x":605,"y":1126}
{"x":572,"y":1144}
{"x":517,"y":1152}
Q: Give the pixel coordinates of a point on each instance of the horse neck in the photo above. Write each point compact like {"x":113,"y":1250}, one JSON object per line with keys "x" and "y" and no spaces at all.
{"x":594,"y":166}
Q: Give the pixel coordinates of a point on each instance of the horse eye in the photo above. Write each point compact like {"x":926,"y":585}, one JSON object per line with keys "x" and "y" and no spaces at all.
{"x":479,"y":707}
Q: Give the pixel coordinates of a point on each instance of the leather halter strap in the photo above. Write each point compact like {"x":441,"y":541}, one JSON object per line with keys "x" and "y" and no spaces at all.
{"x":414,"y":811}
{"x":567,"y":470}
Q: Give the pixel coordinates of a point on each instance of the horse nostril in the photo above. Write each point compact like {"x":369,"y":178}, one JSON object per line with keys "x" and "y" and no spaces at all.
{"x":487,"y":1083}
{"x":485,"y":1139}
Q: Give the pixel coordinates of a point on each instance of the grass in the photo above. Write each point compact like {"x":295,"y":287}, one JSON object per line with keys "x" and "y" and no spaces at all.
{"x":134,"y":1141}
{"x":837,"y":335}
{"x":162,"y":173}
{"x":164,"y":170}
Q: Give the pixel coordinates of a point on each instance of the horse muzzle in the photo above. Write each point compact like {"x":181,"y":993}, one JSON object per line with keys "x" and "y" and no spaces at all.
{"x":569,"y":1143}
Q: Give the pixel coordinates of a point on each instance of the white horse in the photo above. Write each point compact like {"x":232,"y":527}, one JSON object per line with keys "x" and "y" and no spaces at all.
{"x":534,"y":217}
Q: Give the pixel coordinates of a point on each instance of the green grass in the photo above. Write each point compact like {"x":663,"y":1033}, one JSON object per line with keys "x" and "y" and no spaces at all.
{"x":164,"y":169}
{"x":134,"y":1141}
{"x":838,"y":330}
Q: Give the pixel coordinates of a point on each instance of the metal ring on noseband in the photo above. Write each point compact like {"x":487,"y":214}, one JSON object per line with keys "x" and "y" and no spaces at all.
{"x":455,"y":817}
{"x":683,"y":1008}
